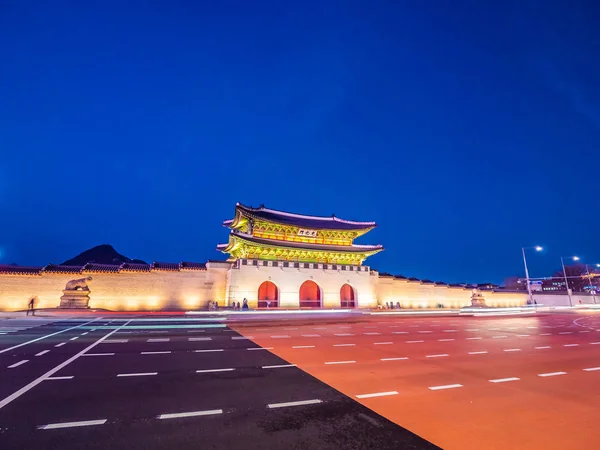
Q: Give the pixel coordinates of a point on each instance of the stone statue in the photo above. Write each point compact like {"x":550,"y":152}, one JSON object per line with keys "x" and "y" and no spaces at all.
{"x":80,"y":284}
{"x":76,"y":294}
{"x":477,"y":299}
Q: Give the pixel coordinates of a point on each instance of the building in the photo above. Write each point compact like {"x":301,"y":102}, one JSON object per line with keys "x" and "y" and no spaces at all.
{"x":275,"y":259}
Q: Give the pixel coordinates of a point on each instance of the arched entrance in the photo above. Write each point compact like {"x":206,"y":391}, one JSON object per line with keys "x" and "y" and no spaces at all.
{"x":268,"y":292}
{"x":310,"y":295}
{"x":347,"y":296}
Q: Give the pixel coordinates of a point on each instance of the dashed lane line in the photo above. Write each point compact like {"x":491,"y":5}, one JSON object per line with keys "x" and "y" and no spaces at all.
{"x":473,"y":338}
{"x":344,"y":345}
{"x":377,"y":394}
{"x":310,"y":335}
{"x":297,"y":403}
{"x":197,"y":339}
{"x":512,"y":349}
{"x":542,"y":347}
{"x":571,"y":345}
{"x":343,"y":334}
{"x":74,"y":338}
{"x":445,"y":340}
{"x":394,"y":359}
{"x":340,"y":362}
{"x":504,"y":380}
{"x":210,"y":350}
{"x":66,"y":377}
{"x":210,"y":412}
{"x":98,"y":354}
{"x":280,"y":336}
{"x":229,"y":369}
{"x":43,"y":352}
{"x":115,"y":341}
{"x":414,"y":342}
{"x":136,"y":374}
{"x":17,"y":364}
{"x":60,"y":345}
{"x":83,"y":423}
{"x":159,"y":340}
{"x":382,"y":343}
{"x":156,"y":353}
{"x":260,"y":348}
{"x":482,"y":352}
{"x":437,"y":356}
{"x":499,"y":337}
{"x":279,"y":366}
{"x":551,"y":374}
{"x":446,"y":386}
{"x":303,"y":346}
{"x":592,"y":369}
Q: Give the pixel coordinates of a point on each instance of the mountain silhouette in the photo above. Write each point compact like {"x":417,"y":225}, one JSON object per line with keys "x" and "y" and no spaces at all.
{"x":101,"y":254}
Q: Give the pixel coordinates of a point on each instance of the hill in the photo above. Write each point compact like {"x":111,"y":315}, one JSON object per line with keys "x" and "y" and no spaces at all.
{"x":101,"y":254}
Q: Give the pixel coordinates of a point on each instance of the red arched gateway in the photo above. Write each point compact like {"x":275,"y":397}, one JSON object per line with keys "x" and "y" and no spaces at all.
{"x":268,"y":292}
{"x":310,"y":295}
{"x":347,"y":297}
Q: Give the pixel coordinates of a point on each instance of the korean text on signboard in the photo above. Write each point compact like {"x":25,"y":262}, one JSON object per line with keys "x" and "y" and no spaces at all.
{"x":307,"y":233}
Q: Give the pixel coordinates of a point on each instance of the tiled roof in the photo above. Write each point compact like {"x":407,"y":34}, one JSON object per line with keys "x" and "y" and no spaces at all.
{"x":20,"y":270}
{"x":62,"y":269}
{"x":173,"y":267}
{"x":102,"y":268}
{"x":135,"y":267}
{"x":192,"y":266}
{"x":303,"y":221}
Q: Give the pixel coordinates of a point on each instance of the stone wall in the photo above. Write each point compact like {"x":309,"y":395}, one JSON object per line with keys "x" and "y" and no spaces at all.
{"x":154,"y":290}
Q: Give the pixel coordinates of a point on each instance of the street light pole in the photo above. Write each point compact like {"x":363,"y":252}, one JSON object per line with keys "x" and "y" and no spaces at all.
{"x":575,"y":258}
{"x":538,"y":248}
{"x":587,"y":269}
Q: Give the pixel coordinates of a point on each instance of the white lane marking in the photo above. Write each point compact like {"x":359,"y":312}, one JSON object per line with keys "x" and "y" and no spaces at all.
{"x":303,"y":346}
{"x":584,"y":331}
{"x":523,"y":335}
{"x":260,"y":348}
{"x":478,"y":353}
{"x":445,"y":340}
{"x":279,"y":366}
{"x":46,"y":336}
{"x":196,"y":331}
{"x":414,"y":342}
{"x":472,"y":329}
{"x":437,"y":356}
{"x":298,"y":403}
{"x":594,"y":343}
{"x":382,"y":343}
{"x":592,"y":369}
{"x":394,"y":359}
{"x":43,"y":352}
{"x":504,"y":380}
{"x":345,"y":327}
{"x":542,"y":347}
{"x":340,"y":362}
{"x":17,"y":364}
{"x":473,"y":338}
{"x":74,"y":338}
{"x":84,"y":333}
{"x":83,"y":423}
{"x":210,"y":350}
{"x":399,"y":332}
{"x":532,"y":328}
{"x":546,"y":334}
{"x":571,"y":345}
{"x":499,"y":337}
{"x":449,"y":331}
{"x":52,"y":371}
{"x":229,"y":369}
{"x":310,"y":335}
{"x":343,"y":334}
{"x":344,"y":345}
{"x":98,"y":354}
{"x":551,"y":374}
{"x":156,"y":353}
{"x":424,"y":331}
{"x":67,"y":377}
{"x":209,"y":412}
{"x":138,"y":374}
{"x":377,"y":394}
{"x":371,"y":334}
{"x":512,"y":349}
{"x":241,"y":338}
{"x":566,"y":332}
{"x":194,"y":339}
{"x":446,"y":386}
{"x":159,"y":340}
{"x":115,"y":341}
{"x":60,"y":345}
{"x":280,"y":336}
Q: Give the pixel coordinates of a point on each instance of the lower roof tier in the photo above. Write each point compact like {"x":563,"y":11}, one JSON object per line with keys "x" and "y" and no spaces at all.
{"x":242,"y":245}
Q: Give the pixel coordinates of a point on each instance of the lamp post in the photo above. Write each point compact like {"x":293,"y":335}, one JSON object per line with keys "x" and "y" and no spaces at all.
{"x":587,"y":269}
{"x":537,"y":249}
{"x":575,"y":258}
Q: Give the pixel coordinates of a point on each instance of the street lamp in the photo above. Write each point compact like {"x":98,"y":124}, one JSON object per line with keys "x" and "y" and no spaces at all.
{"x":537,"y":249}
{"x":574,"y":258}
{"x":587,"y":269}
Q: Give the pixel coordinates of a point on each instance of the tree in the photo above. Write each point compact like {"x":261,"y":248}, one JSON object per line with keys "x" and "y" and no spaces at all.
{"x":577,"y":276}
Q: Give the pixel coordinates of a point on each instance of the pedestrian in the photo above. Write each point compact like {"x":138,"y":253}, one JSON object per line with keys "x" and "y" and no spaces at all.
{"x":398,"y":305}
{"x":268,"y":304}
{"x":239,"y":307}
{"x":387,"y":305}
{"x":245,"y":305}
{"x":31,"y":306}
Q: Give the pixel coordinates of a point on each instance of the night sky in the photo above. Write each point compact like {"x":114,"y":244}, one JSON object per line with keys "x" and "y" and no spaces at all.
{"x":465,"y":130}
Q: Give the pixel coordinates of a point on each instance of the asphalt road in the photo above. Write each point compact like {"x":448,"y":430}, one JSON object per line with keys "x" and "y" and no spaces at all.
{"x":171,"y":383}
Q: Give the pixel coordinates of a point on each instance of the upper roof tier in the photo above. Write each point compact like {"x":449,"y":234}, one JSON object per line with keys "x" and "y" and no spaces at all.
{"x":298,"y":220}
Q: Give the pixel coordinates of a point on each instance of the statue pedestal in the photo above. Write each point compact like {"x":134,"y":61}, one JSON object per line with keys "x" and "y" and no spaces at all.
{"x":75,"y":299}
{"x":478,"y":302}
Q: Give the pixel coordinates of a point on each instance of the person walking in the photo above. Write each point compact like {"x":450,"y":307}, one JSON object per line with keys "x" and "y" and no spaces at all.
{"x":31,"y":306}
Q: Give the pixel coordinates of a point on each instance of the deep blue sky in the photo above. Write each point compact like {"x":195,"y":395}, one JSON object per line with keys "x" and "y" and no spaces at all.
{"x":464,"y":130}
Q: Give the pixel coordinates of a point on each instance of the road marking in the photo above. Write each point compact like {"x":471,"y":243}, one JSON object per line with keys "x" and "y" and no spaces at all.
{"x":449,"y":331}
{"x":512,"y":349}
{"x":478,"y":353}
{"x":74,"y":338}
{"x":445,"y":340}
{"x":437,"y":356}
{"x":303,"y":346}
{"x":414,"y":342}
{"x":566,"y":332}
{"x":592,"y":369}
{"x":504,"y":380}
{"x":193,"y":339}
{"x":551,"y":374}
{"x":473,"y":338}
{"x":344,"y":334}
{"x":399,"y":332}
{"x":311,"y":335}
{"x":210,"y":350}
{"x":51,"y":372}
{"x":594,"y":343}
{"x":115,"y":341}
{"x":377,"y":394}
{"x":571,"y":345}
{"x":280,"y":336}
{"x":371,"y":334}
{"x":84,"y":423}
{"x":68,"y":377}
{"x":340,"y":362}
{"x":229,"y":369}
{"x":17,"y":364}
{"x":499,"y":337}
{"x":260,"y":348}
{"x":98,"y":354}
{"x":382,"y":343}
{"x":344,"y":345}
{"x":446,"y":386}
{"x":159,"y":340}
{"x":472,"y":329}
{"x":425,"y":331}
{"x":60,"y":345}
{"x":369,"y":327}
{"x":241,"y":338}
{"x":542,"y":347}
{"x":532,"y":328}
{"x":209,"y":412}
{"x":46,"y":336}
{"x":546,"y":334}
{"x":138,"y":374}
{"x":584,"y":331}
{"x":289,"y":329}
{"x":279,"y":366}
{"x":393,"y":359}
{"x":156,"y":353}
{"x":298,"y":403}
{"x":523,"y":335}
{"x":84,"y":333}
{"x":43,"y":352}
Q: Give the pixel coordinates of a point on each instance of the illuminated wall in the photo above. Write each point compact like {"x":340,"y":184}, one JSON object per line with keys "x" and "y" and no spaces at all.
{"x":155,"y":290}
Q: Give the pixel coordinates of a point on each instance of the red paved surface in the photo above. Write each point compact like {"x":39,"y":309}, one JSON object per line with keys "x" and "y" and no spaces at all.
{"x":533,"y":412}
